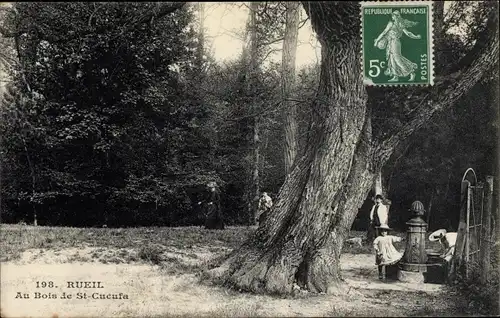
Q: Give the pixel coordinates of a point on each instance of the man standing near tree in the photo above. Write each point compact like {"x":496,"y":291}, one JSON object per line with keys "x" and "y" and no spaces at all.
{"x":213,"y":212}
{"x":378,"y":216}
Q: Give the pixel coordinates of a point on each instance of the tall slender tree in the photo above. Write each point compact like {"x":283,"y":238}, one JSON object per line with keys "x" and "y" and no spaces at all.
{"x":254,"y":184}
{"x":288,"y":81}
{"x":200,"y":50}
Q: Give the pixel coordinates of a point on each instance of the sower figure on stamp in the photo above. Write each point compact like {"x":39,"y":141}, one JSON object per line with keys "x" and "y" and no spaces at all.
{"x":265,"y":204}
{"x":378,"y":216}
{"x":389,"y":39}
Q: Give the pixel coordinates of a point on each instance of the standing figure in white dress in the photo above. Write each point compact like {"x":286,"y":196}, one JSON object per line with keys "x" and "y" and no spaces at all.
{"x":386,"y":253}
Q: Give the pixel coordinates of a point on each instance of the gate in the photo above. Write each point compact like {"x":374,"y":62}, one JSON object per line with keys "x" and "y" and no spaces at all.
{"x":473,"y":236}
{"x":473,"y":191}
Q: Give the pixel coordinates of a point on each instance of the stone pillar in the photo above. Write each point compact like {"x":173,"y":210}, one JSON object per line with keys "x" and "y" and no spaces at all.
{"x":413,"y":263}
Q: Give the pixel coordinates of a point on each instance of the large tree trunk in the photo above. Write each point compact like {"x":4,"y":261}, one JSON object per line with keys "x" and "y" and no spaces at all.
{"x":288,"y":81}
{"x":302,"y":238}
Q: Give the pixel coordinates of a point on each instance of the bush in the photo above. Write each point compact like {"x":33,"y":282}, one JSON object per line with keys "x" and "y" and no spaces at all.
{"x":151,"y":253}
{"x":482,"y":297}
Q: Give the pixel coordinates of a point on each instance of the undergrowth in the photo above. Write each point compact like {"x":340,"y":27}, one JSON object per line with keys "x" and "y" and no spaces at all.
{"x":481,"y":289}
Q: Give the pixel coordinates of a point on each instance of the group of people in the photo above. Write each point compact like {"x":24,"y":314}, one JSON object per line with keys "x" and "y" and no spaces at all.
{"x":378,"y":230}
{"x":385,"y":252}
{"x":212,"y":211}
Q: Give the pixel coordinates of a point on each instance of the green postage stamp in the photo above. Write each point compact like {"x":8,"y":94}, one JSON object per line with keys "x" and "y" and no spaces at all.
{"x":397,"y":44}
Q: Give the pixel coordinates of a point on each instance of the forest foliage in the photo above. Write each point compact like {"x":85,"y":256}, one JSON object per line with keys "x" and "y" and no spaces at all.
{"x":114,"y":116}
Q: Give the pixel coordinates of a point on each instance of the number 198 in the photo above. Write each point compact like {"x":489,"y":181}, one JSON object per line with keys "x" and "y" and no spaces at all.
{"x":48,"y":284}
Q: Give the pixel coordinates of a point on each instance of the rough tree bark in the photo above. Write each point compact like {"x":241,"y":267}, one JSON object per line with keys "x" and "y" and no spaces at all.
{"x":256,"y":125}
{"x":250,"y":57}
{"x":288,"y":81}
{"x":302,"y":238}
{"x":307,"y":225}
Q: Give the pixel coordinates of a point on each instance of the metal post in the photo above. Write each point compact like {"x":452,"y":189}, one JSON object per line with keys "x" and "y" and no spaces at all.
{"x":481,"y":219}
{"x":458,"y":256}
{"x":485,"y":231}
{"x":467,"y":232}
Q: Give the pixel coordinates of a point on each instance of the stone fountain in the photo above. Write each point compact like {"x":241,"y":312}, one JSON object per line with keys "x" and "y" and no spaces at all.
{"x":413,"y":266}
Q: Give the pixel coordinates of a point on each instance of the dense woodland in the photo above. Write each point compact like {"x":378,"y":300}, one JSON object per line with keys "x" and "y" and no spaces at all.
{"x":117,"y":114}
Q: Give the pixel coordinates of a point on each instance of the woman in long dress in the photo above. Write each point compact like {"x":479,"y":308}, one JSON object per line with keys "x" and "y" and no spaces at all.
{"x":397,"y":64}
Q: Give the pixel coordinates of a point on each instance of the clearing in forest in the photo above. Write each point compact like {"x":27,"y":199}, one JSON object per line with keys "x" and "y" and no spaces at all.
{"x":158,"y":269}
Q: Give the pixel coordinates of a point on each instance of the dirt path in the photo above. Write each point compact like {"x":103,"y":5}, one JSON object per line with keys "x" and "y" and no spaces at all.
{"x":360,"y":272}
{"x":152,"y":292}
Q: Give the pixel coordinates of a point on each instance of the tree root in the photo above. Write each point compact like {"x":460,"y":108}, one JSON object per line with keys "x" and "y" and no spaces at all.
{"x":275,"y":273}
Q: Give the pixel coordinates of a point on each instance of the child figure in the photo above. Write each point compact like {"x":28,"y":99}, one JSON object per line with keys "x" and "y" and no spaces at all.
{"x":386,"y":253}
{"x":447,"y":240}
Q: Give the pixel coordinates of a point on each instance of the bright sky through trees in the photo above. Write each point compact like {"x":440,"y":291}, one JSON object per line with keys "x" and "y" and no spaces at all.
{"x":225,"y":24}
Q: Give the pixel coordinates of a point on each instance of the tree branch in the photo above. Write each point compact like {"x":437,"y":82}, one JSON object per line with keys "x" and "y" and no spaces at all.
{"x":92,"y":15}
{"x":303,"y":22}
{"x":269,"y":53}
{"x":267,"y":110}
{"x":272,"y":41}
{"x":482,"y":41}
{"x":447,"y":89}
{"x":6,"y":59}
{"x":163,"y":11}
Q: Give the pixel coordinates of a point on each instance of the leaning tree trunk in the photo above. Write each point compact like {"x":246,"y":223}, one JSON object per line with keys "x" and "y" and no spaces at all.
{"x":302,"y":238}
{"x":303,"y":235}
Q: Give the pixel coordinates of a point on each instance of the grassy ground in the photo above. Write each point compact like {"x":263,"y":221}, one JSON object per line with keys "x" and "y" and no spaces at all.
{"x":15,"y":239}
{"x":159,"y":266}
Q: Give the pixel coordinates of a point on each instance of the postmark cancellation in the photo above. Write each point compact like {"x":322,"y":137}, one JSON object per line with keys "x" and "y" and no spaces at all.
{"x":397,"y":43}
